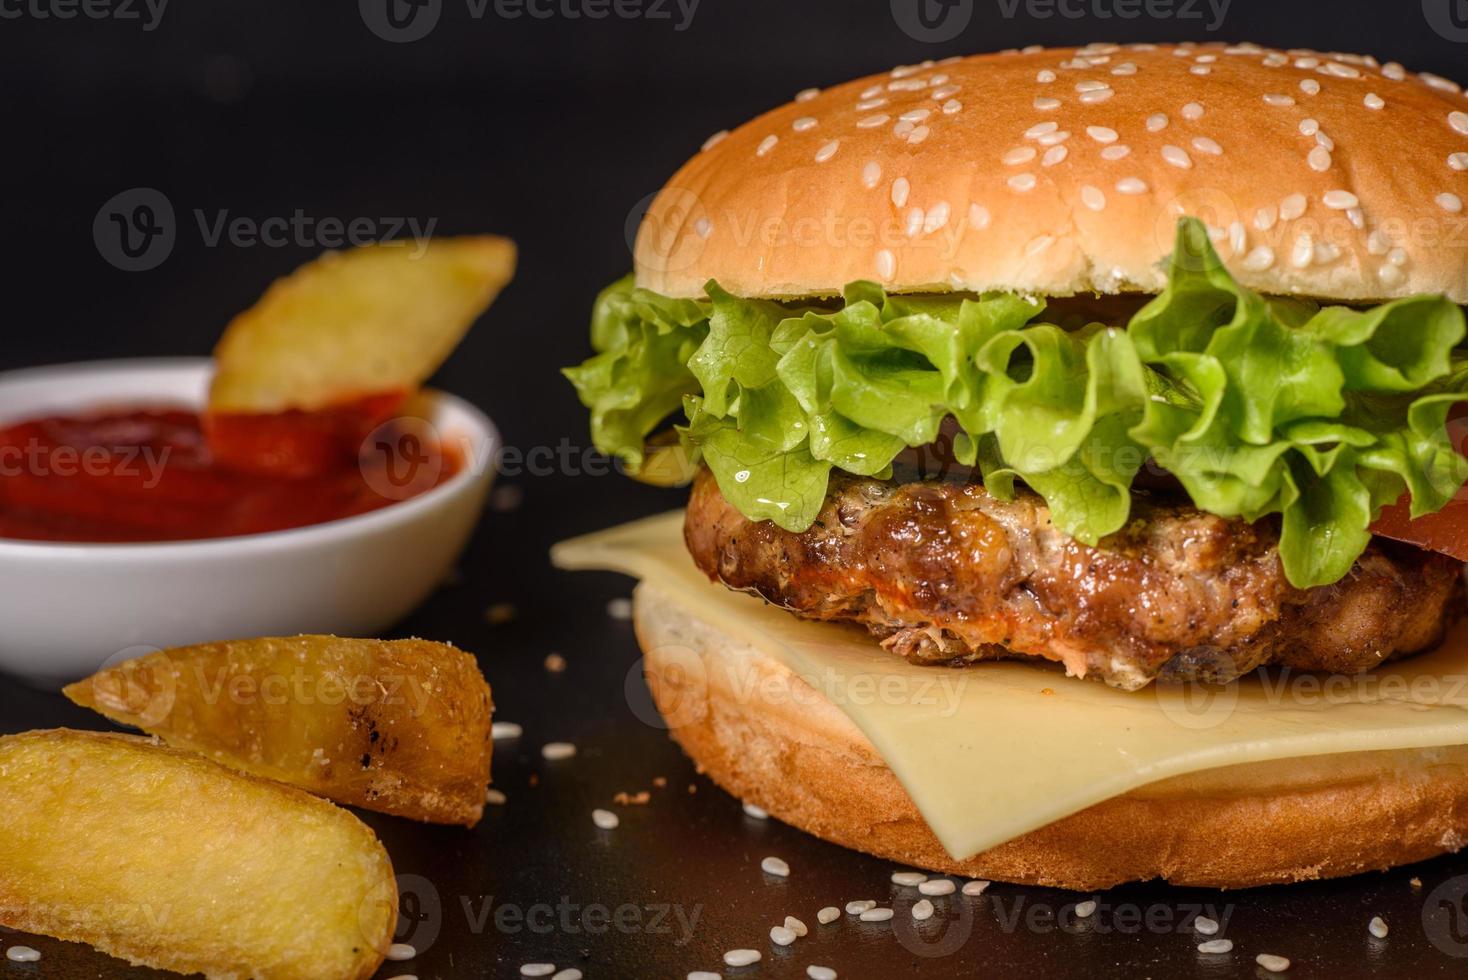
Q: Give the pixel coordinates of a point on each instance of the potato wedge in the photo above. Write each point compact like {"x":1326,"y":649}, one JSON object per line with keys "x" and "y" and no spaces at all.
{"x":400,"y":726}
{"x":368,"y":321}
{"x":168,"y":860}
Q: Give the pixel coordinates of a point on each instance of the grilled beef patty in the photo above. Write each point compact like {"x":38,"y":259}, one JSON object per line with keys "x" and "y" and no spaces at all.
{"x":944,"y":572}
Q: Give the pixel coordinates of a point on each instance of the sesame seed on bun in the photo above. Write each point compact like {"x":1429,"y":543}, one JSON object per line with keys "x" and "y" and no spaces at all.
{"x":1059,"y":171}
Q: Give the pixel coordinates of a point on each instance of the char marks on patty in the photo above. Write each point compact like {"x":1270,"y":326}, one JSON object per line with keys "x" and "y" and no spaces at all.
{"x":946,"y":572}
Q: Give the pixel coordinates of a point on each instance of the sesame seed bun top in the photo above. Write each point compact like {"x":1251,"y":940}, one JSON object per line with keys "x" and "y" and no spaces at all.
{"x":1060,"y":171}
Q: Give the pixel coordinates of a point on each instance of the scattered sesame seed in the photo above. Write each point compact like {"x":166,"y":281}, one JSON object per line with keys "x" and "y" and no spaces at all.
{"x":900,"y":189}
{"x":914,"y":222}
{"x":714,"y":140}
{"x":860,"y":906}
{"x":828,"y":915}
{"x":1116,"y":152}
{"x":1450,"y":203}
{"x":1458,"y":161}
{"x":556,"y":751}
{"x":537,"y":969}
{"x":1205,"y":926}
{"x":768,"y":143}
{"x":781,"y":936}
{"x":1045,"y":77}
{"x":1216,"y":946}
{"x":1414,"y":882}
{"x":1394,"y":71}
{"x":1093,"y":198}
{"x":1046,"y":105}
{"x":605,"y":819}
{"x":795,"y":925}
{"x":775,"y":866}
{"x":620,"y":608}
{"x":1041,"y":129}
{"x":803,"y":123}
{"x":1265,"y":218}
{"x":757,"y":812}
{"x":1098,"y":96}
{"x":1125,"y":68}
{"x":1131,"y":185}
{"x":978,"y":216}
{"x":915,"y":115}
{"x":1018,"y":155}
{"x":1339,"y":70}
{"x":1307,"y":63}
{"x":1274,"y":98}
{"x":1292,"y":207}
{"x":1021,"y":183}
{"x":1205,"y":145}
{"x":504,"y":729}
{"x":1377,"y":927}
{"x":943,"y":92}
{"x":1390,"y":275}
{"x":1459,"y":121}
{"x":871,"y":174}
{"x":1192,"y":111}
{"x":1325,"y":141}
{"x":1101,"y":134}
{"x":1440,"y":83}
{"x":1038,"y":244}
{"x":1201,"y":70}
{"x":1085,"y":909}
{"x":1092,"y":86}
{"x":922,"y":910}
{"x":908,"y":879}
{"x":806,"y":94}
{"x":494,"y":797}
{"x":554,"y":662}
{"x":1054,"y":155}
{"x":741,"y":957}
{"x":1319,"y":159}
{"x":820,"y":973}
{"x":876,"y":915}
{"x":1340,"y":200}
{"x":412,"y":976}
{"x":1156,"y":122}
{"x":704,"y":975}
{"x":1272,"y":963}
{"x":936,"y":218}
{"x":1373,"y":101}
{"x":937,"y":886}
{"x":886,"y":263}
{"x":1177,"y":156}
{"x":568,"y":974}
{"x":827,"y":151}
{"x":1309,"y":127}
{"x":22,"y":954}
{"x":868,"y":104}
{"x":1310,"y":87}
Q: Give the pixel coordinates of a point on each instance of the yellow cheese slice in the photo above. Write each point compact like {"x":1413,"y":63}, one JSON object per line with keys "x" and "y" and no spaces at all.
{"x":995,"y":750}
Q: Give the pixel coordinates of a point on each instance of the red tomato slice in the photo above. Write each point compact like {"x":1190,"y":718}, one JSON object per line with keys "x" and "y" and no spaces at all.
{"x":1446,"y":531}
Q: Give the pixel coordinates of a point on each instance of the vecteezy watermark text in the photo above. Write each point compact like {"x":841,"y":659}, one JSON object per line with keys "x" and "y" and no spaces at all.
{"x":136,"y":230}
{"x":146,"y":13}
{"x":405,"y":21}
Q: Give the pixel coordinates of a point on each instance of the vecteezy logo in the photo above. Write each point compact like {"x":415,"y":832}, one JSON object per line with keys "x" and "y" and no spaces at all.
{"x":400,"y":21}
{"x":932,"y":21}
{"x":135,"y":230}
{"x":1445,"y":916}
{"x":398,"y":460}
{"x":1449,"y":18}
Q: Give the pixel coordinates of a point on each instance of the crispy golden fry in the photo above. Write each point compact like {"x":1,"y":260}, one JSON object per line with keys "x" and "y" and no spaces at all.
{"x":168,"y":860}
{"x":380,"y":318}
{"x":400,"y":726}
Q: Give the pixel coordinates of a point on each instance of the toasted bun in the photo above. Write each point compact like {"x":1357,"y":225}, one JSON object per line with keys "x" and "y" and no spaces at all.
{"x":803,"y":760}
{"x":1063,"y":171}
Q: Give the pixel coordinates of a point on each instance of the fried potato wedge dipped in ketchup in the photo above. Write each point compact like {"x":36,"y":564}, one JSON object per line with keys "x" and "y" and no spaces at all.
{"x":168,"y":860}
{"x":332,"y":350}
{"x":398,"y":726}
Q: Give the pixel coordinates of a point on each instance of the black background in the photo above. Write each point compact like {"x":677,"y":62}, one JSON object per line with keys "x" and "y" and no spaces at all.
{"x":552,"y":130}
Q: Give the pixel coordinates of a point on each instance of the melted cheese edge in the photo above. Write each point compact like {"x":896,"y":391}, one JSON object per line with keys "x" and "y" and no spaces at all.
{"x":995,"y":750}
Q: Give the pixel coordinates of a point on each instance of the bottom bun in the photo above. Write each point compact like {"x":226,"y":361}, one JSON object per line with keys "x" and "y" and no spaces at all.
{"x":802,"y":759}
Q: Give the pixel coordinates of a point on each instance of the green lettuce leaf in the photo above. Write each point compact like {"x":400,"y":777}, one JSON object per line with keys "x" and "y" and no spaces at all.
{"x":1258,"y":406}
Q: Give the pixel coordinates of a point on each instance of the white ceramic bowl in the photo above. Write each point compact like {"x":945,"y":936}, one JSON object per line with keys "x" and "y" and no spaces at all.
{"x":66,"y":609}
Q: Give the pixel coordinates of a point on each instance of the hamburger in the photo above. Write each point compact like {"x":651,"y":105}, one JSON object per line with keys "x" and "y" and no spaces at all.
{"x":1136,"y":365}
